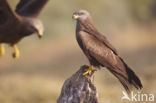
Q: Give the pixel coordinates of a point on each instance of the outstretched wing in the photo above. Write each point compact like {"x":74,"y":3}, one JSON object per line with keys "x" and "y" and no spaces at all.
{"x":6,"y":13}
{"x":105,"y":56}
{"x":30,"y":8}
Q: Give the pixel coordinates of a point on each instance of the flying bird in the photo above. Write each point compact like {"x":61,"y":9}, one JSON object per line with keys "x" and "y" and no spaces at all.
{"x":15,"y":25}
{"x":101,"y":53}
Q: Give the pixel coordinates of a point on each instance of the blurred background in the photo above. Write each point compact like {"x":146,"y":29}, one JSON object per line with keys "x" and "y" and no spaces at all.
{"x":38,"y":75}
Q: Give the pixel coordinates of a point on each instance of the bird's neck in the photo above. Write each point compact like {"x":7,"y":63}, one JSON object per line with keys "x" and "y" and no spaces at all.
{"x":87,"y":26}
{"x":27,"y":27}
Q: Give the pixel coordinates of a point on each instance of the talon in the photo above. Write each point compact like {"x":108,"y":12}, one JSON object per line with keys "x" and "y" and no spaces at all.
{"x":16,"y":52}
{"x":89,"y":71}
{"x":2,"y":50}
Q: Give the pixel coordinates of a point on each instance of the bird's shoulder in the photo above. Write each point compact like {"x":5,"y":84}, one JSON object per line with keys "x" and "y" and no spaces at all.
{"x":96,"y":38}
{"x":106,"y":42}
{"x":88,"y":39}
{"x":91,"y":43}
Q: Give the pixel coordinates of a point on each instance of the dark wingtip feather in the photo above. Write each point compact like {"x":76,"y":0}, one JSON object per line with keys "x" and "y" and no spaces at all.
{"x":133,"y":78}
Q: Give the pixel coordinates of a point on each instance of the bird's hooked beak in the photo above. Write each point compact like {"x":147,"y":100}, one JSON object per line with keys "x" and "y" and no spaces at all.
{"x":75,"y":16}
{"x":40,"y":34}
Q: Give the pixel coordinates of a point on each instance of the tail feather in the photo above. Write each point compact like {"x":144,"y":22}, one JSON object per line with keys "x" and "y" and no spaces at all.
{"x":133,"y":78}
{"x":127,"y":77}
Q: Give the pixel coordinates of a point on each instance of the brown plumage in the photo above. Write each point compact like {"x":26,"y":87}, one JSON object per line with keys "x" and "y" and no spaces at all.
{"x":100,"y":52}
{"x":23,"y":22}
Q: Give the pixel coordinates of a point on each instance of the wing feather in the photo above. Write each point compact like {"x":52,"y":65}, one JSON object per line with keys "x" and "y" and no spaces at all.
{"x":6,"y":13}
{"x":103,"y":39}
{"x":30,"y":8}
{"x":98,"y":50}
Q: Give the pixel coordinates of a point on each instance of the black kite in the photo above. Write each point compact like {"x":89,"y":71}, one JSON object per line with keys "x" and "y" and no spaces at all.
{"x":100,"y":52}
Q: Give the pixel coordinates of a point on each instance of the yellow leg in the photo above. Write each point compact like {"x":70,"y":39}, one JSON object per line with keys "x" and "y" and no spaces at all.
{"x":89,"y":71}
{"x":2,"y":50}
{"x":16,"y":53}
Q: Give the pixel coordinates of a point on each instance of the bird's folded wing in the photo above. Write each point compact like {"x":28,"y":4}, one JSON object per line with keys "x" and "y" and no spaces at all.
{"x":30,"y":8}
{"x":105,"y":41}
{"x":97,"y":49}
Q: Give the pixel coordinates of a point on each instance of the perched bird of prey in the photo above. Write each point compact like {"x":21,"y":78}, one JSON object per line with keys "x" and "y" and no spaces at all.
{"x":100,"y":52}
{"x":14,"y":25}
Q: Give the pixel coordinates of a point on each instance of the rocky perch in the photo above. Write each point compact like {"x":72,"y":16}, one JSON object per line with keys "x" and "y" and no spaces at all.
{"x":79,"y":88}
